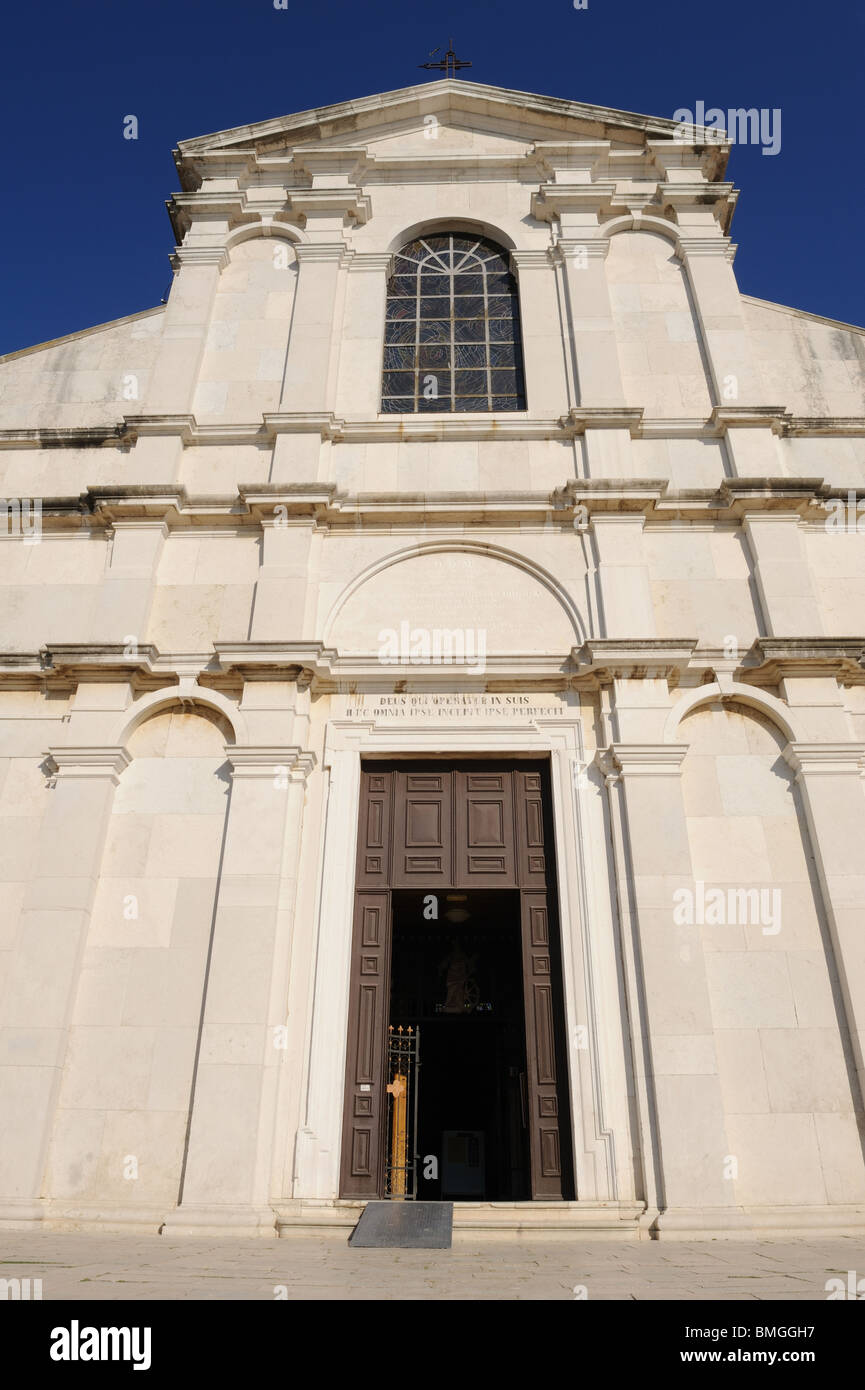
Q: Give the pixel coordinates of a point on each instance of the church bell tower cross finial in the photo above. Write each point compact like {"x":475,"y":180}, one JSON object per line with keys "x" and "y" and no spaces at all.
{"x":448,"y":64}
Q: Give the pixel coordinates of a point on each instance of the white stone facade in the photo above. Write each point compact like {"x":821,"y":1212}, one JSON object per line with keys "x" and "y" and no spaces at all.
{"x":190,"y":675}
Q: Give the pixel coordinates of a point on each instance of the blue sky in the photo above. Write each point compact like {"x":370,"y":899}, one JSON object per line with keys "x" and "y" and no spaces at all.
{"x":85,"y":235}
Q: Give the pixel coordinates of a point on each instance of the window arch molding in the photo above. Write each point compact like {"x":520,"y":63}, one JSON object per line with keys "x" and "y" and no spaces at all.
{"x":452,"y":334}
{"x":468,"y":226}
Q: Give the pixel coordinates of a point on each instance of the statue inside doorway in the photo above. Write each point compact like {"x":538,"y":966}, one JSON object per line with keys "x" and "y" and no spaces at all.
{"x":463,"y":992}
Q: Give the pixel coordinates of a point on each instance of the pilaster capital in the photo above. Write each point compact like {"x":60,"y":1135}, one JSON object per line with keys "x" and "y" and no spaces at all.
{"x":200,"y":255}
{"x":106,"y":761}
{"x":381,"y":262}
{"x":825,"y":759}
{"x":272,"y":761}
{"x":636,"y":520}
{"x":140,"y":523}
{"x":569,"y":249}
{"x":750,"y":519}
{"x":648,"y":759}
{"x":321,"y":251}
{"x":689,"y":248}
{"x":540,"y":259}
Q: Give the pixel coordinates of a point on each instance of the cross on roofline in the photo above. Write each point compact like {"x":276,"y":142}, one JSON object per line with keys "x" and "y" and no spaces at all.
{"x":448,"y":64}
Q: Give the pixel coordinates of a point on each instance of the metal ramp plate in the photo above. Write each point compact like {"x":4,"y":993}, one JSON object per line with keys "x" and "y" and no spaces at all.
{"x":404,"y":1226}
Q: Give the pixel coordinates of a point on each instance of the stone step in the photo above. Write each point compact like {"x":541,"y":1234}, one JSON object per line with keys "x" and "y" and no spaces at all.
{"x":546,"y":1220}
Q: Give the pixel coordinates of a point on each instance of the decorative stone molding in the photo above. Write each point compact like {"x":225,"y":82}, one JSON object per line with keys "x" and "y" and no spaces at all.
{"x":552,"y":155}
{"x":553,"y":200}
{"x":327,"y":670}
{"x":825,"y":759}
{"x":199,"y":255}
{"x":648,"y":759}
{"x":729,"y":691}
{"x":406,"y":428}
{"x":594,"y":248}
{"x":602,"y":417}
{"x":379,"y":262}
{"x":266,"y":761}
{"x":346,"y":202}
{"x":531,"y":260}
{"x":691,"y":247}
{"x":635,"y":658}
{"x":321,"y":251}
{"x":736,"y":499}
{"x":104,"y":660}
{"x":107,"y":761}
{"x":773,"y":659}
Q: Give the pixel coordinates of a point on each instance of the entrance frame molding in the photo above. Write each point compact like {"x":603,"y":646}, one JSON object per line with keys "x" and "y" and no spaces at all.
{"x":587,"y":998}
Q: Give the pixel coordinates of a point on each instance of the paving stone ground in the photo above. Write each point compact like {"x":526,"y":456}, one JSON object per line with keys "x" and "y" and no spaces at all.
{"x":120,"y":1267}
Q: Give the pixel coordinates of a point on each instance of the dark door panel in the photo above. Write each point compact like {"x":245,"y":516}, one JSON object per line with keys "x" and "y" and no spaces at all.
{"x":423,"y":819}
{"x":484,"y":815}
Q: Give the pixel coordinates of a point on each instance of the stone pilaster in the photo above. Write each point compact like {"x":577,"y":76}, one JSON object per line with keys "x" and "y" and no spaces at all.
{"x":783,"y":576}
{"x":283,"y":578}
{"x":622,"y":575}
{"x":678,"y":1087}
{"x":307,"y":381}
{"x":126,"y":596}
{"x":596,"y":367}
{"x":359,"y":385}
{"x":40,"y":993}
{"x":187,"y":318}
{"x":830,"y":779}
{"x":227,"y":1174}
{"x":549,"y":389}
{"x":733,"y":375}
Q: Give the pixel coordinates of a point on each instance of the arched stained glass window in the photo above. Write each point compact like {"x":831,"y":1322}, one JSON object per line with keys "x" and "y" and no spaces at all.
{"x":452,"y":337}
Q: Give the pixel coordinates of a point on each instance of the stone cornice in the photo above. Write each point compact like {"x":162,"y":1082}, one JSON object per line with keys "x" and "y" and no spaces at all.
{"x":680,"y":661}
{"x":80,"y":657}
{"x":404,"y":428}
{"x":229,"y":205}
{"x":432,"y":167}
{"x":741,"y":496}
{"x":553,"y":199}
{"x":329,"y":670}
{"x":348,"y":202}
{"x":602,"y":417}
{"x":552,"y":155}
{"x":60,"y":665}
{"x":634,"y":658}
{"x":115,"y":435}
{"x":773,"y":659}
{"x":324,"y":504}
{"x":768,"y":661}
{"x":773,"y":417}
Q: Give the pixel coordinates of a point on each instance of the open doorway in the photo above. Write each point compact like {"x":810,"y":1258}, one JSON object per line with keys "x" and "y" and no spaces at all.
{"x":456,"y":933}
{"x":456,"y":976}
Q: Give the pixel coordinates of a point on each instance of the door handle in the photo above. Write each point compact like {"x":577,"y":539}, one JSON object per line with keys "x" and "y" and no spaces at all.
{"x":524,"y":1107}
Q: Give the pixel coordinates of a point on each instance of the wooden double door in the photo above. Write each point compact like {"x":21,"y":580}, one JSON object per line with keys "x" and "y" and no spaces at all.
{"x":434,"y":827}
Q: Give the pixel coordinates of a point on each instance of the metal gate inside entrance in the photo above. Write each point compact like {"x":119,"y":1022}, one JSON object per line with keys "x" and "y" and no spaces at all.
{"x":456,"y":941}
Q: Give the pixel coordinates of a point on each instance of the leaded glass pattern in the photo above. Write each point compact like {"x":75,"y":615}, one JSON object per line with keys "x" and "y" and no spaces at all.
{"x":452,"y":336}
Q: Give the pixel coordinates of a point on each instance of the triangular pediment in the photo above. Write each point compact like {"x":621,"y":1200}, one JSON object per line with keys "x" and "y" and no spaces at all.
{"x":467,"y":114}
